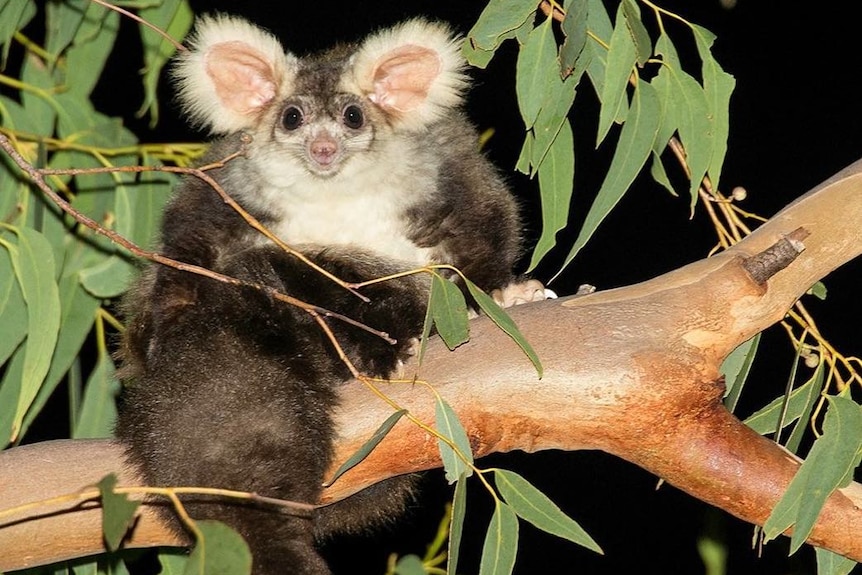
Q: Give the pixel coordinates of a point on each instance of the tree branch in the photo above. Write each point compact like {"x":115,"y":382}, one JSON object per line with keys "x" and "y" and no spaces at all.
{"x":631,"y":371}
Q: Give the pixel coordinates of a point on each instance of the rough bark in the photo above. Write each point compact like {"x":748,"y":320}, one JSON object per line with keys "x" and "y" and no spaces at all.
{"x":631,"y":371}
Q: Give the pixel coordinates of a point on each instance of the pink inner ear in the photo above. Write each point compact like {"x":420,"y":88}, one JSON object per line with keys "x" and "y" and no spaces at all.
{"x":403,"y":77}
{"x":242,"y":77}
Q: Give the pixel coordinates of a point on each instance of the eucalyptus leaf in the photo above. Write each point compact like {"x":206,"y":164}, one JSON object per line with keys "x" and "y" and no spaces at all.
{"x":735,"y":369}
{"x":369,"y":445}
{"x":829,"y":465}
{"x":219,"y":551}
{"x":10,"y":392}
{"x":829,"y":563}
{"x":449,"y":426}
{"x":556,"y":180}
{"x":718,"y":87}
{"x":504,"y":322}
{"x":765,"y":420}
{"x":94,"y":40}
{"x":534,"y":506}
{"x":818,"y":380}
{"x":449,"y":310}
{"x":659,"y":174}
{"x":596,"y":55}
{"x":456,"y":525}
{"x":553,"y":113}
{"x":62,"y":20}
{"x":33,"y":262}
{"x":410,"y":565}
{"x":40,"y":105}
{"x":99,"y":408}
{"x":524,"y":163}
{"x":640,"y":36}
{"x":118,"y":512}
{"x":634,"y":147}
{"x":497,"y":20}
{"x":172,"y":563}
{"x":663,"y":84}
{"x":14,"y":15}
{"x":501,"y":542}
{"x":13,"y":309}
{"x":175,"y":18}
{"x":535,"y":70}
{"x":692,"y":116}
{"x":78,"y":312}
{"x":574,"y":27}
{"x":621,"y":59}
{"x":818,"y":290}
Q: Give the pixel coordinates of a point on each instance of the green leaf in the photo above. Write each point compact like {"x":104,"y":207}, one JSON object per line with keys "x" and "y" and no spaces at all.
{"x":635,"y":144}
{"x":172,"y":563}
{"x":369,"y":445}
{"x":640,"y":36}
{"x":818,"y":290}
{"x":556,"y":180}
{"x":175,"y":18}
{"x":504,"y":322}
{"x":118,"y":512}
{"x":695,"y":130}
{"x":410,"y":565}
{"x":33,"y":262}
{"x":218,"y":551}
{"x":149,"y":200}
{"x":534,"y":506}
{"x":456,"y":526}
{"x":62,"y":20}
{"x":718,"y":86}
{"x":450,"y":427}
{"x":829,"y":465}
{"x":78,"y":312}
{"x":664,"y":86}
{"x":620,"y":63}
{"x":595,"y":54}
{"x":449,"y":311}
{"x":658,"y":174}
{"x":13,"y":309}
{"x":99,"y":409}
{"x":574,"y":27}
{"x":499,"y":19}
{"x":689,"y":104}
{"x":39,"y":105}
{"x":817,"y":382}
{"x":10,"y":391}
{"x":13,"y":17}
{"x":536,"y":69}
{"x":735,"y":369}
{"x":829,"y":563}
{"x":501,"y":542}
{"x":523,"y":164}
{"x":93,"y":43}
{"x":559,"y":96}
{"x":765,"y":420}
{"x":109,"y":278}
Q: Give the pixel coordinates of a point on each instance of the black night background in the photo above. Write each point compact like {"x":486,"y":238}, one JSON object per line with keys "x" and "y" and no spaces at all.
{"x":795,"y":121}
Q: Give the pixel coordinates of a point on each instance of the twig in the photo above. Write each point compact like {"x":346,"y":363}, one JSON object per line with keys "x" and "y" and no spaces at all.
{"x":37,"y":176}
{"x":140,"y":20}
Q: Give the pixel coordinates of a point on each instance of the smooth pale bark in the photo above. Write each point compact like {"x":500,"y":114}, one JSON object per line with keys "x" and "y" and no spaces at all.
{"x":632,"y":371}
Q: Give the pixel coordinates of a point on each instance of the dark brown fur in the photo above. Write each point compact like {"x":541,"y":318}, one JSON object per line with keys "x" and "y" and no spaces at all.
{"x":228,"y":387}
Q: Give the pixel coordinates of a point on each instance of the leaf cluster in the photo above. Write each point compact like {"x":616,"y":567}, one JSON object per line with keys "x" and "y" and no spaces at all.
{"x":640,"y":84}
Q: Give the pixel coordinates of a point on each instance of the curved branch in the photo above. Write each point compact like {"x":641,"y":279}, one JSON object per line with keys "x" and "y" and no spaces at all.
{"x":632,"y":371}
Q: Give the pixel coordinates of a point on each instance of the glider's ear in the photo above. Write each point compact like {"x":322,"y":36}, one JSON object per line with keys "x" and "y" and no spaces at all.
{"x":413,"y":72}
{"x":231,"y":74}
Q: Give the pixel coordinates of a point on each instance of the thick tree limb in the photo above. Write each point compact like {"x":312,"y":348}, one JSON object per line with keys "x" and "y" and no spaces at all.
{"x":631,"y":371}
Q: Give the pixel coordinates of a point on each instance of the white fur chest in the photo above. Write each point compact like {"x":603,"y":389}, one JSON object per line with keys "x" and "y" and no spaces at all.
{"x":365,"y":210}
